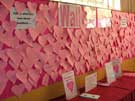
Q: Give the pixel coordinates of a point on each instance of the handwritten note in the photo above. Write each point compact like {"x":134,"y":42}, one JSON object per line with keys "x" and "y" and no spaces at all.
{"x":24,"y":20}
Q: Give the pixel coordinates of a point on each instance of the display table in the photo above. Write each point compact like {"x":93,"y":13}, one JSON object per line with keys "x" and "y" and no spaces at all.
{"x":107,"y":94}
{"x":127,"y":83}
{"x":123,"y":89}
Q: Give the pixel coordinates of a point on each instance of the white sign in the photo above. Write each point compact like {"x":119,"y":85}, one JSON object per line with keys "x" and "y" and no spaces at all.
{"x":24,"y":20}
{"x":110,"y":73}
{"x":117,"y":68}
{"x":90,"y":82}
{"x":123,"y":23}
{"x":69,"y":15}
{"x":69,"y":85}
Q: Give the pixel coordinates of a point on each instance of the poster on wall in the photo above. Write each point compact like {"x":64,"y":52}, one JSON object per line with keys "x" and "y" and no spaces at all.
{"x":69,"y":85}
{"x":24,"y":20}
{"x":104,"y":17}
{"x":123,"y":22}
{"x":90,"y":82}
{"x":90,"y":17}
{"x":69,"y":15}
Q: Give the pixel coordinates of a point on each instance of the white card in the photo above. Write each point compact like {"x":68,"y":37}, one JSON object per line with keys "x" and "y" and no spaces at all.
{"x":69,"y":85}
{"x":90,"y":82}
{"x":123,"y":22}
{"x":110,"y":73}
{"x":117,"y":68}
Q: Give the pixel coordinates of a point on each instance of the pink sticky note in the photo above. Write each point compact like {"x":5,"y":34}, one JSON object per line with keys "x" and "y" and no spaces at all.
{"x":22,"y":76}
{"x":7,"y":3}
{"x":28,"y":86}
{"x":34,"y":75}
{"x":9,"y":26}
{"x":45,"y":80}
{"x":18,"y":89}
{"x":4,"y":13}
{"x":20,"y":6}
{"x":32,"y":6}
{"x":12,"y":76}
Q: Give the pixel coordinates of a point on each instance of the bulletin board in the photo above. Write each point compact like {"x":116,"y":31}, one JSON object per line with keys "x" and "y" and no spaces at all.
{"x":37,"y":56}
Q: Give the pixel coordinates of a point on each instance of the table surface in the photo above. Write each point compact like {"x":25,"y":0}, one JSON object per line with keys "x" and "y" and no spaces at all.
{"x":116,"y":91}
{"x":119,"y":89}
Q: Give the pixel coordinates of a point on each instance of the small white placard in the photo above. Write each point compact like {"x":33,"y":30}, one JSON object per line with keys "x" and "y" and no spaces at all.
{"x":110,"y":73}
{"x":24,"y":20}
{"x":90,"y":82}
{"x":123,"y":22}
{"x":69,"y":85}
{"x":117,"y":68}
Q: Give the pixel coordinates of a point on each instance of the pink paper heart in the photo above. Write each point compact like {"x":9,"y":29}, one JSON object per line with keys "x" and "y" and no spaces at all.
{"x":14,"y":56}
{"x":22,"y":76}
{"x":70,"y":85}
{"x":32,"y":82}
{"x":20,"y":7}
{"x":34,"y":75}
{"x":9,"y":26}
{"x":7,"y":3}
{"x":18,"y":89}
{"x":3,"y":55}
{"x":54,"y":76}
{"x":32,"y":7}
{"x":28,"y":86}
{"x":12,"y":76}
{"x":21,"y":34}
{"x":3,"y":13}
{"x":2,"y":86}
{"x":45,"y":80}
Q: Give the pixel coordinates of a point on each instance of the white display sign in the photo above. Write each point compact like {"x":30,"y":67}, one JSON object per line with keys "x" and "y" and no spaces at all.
{"x":110,"y":72}
{"x":90,"y":82}
{"x":117,"y":68}
{"x":69,"y":85}
{"x":24,"y":20}
{"x":123,"y":23}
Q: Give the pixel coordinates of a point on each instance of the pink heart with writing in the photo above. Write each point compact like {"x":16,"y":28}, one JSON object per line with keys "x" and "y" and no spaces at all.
{"x":70,"y":85}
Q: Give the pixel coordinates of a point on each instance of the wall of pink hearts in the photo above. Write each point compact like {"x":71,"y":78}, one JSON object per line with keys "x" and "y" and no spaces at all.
{"x":38,"y":56}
